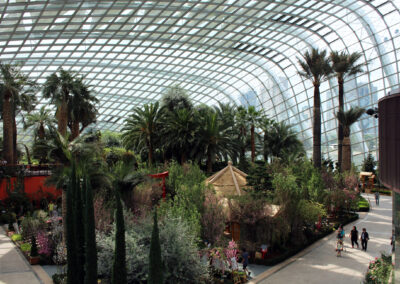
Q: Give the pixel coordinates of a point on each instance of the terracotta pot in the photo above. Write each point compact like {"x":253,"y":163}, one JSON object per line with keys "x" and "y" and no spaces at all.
{"x":34,"y":260}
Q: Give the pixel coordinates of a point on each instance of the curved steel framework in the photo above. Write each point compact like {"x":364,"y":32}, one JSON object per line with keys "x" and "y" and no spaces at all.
{"x":243,"y":52}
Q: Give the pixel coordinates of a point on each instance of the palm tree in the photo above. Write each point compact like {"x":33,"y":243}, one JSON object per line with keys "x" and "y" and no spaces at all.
{"x":39,"y":121}
{"x":241,"y":123}
{"x":347,"y":118}
{"x":344,"y":64}
{"x":316,"y":68}
{"x":142,"y":128}
{"x":180,"y":131}
{"x":59,"y":88}
{"x":81,"y":108}
{"x":17,"y":91}
{"x":213,"y":139}
{"x":253,"y":117}
{"x":280,"y":141}
{"x":85,"y":151}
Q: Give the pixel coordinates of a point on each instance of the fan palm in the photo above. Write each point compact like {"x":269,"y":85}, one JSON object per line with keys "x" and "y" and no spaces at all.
{"x":85,"y":151}
{"x":39,"y":121}
{"x":81,"y":108}
{"x":280,"y":141}
{"x":180,"y":131}
{"x":17,"y":91}
{"x":59,"y":87}
{"x":142,"y":128}
{"x":316,"y":68}
{"x":213,"y":139}
{"x":344,"y":64}
{"x":347,"y":118}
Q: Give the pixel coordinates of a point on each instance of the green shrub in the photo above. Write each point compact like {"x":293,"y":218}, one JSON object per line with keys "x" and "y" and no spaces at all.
{"x":362,"y":204}
{"x":178,"y":248}
{"x":31,"y":226}
{"x":16,"y":237}
{"x":26,"y":247}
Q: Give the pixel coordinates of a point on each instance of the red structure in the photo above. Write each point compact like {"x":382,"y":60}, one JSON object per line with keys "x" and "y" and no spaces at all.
{"x":34,"y":188}
{"x":163,"y":176}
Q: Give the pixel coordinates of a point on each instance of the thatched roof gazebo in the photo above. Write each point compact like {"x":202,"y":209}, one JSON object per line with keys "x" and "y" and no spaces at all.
{"x":228,"y":181}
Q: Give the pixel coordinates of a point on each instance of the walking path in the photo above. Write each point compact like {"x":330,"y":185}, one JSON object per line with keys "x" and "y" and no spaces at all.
{"x":319,"y":263}
{"x":14,"y":269}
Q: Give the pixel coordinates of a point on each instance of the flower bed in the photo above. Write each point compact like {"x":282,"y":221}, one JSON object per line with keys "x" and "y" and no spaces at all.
{"x":379,"y":270}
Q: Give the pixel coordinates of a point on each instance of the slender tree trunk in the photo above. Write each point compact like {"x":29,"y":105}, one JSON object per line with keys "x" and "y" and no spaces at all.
{"x":346,"y":160}
{"x":41,"y":132}
{"x":209,"y":162}
{"x":150,"y":156}
{"x":340,"y":128}
{"x":317,"y":127}
{"x":183,"y":158}
{"x":28,"y":155}
{"x":14,"y":135}
{"x":62,"y":117}
{"x":8,"y":151}
{"x":253,"y":144}
{"x":75,"y":129}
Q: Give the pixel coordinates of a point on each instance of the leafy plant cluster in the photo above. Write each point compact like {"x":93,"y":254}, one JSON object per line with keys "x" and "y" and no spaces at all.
{"x":379,"y":270}
{"x":178,"y":250}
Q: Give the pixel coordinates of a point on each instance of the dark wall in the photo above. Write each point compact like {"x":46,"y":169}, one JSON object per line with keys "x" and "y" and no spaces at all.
{"x":389,"y":140}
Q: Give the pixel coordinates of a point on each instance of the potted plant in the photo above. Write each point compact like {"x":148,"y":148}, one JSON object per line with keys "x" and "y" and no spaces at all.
{"x":34,"y":256}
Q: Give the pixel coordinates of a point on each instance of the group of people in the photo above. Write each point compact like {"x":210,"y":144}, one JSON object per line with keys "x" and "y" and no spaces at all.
{"x":353,"y":237}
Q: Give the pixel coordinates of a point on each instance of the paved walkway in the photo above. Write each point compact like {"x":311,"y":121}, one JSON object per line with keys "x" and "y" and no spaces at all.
{"x":319,"y":263}
{"x":14,"y":269}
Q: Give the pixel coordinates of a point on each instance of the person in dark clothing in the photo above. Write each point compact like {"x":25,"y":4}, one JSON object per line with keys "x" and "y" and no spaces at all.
{"x":364,"y":239}
{"x":354,"y":237}
{"x":245,"y":257}
{"x":377,"y":198}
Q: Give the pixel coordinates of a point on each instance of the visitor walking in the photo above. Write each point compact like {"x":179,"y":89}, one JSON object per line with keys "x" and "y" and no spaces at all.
{"x":51,"y":208}
{"x":364,"y":239}
{"x":377,"y":198}
{"x":340,"y":234}
{"x":245,"y":261}
{"x":354,"y":237}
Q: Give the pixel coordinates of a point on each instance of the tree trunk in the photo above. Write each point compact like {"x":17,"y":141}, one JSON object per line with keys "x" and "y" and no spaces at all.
{"x":14,"y":135}
{"x":209,"y":162}
{"x":62,"y":117}
{"x":8,"y":151}
{"x":253,"y":145}
{"x":28,"y":155}
{"x":74,"y":129}
{"x":346,"y":160}
{"x":317,"y":127}
{"x":41,"y":132}
{"x":183,"y":158}
{"x":64,"y":213}
{"x":340,"y":128}
{"x":150,"y":156}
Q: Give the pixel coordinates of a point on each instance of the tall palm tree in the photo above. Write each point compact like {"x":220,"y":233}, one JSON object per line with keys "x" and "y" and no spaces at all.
{"x":316,"y":68}
{"x":242,"y":125}
{"x":253,"y":117}
{"x":344,"y":64}
{"x":17,"y":92}
{"x":280,"y":141}
{"x":59,"y":88}
{"x":142,"y":129}
{"x":39,"y":121}
{"x":81,"y":108}
{"x":347,"y":118}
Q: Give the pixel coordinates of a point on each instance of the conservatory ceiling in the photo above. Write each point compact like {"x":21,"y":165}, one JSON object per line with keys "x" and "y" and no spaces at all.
{"x":243,"y":52}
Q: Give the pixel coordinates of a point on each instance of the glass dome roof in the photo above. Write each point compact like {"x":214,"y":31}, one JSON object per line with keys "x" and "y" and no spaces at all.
{"x":243,"y":52}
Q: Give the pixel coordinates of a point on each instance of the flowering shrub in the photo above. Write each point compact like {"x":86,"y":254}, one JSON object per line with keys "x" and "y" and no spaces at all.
{"x":45,"y":245}
{"x":231,"y":252}
{"x":379,"y":270}
{"x":60,"y":254}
